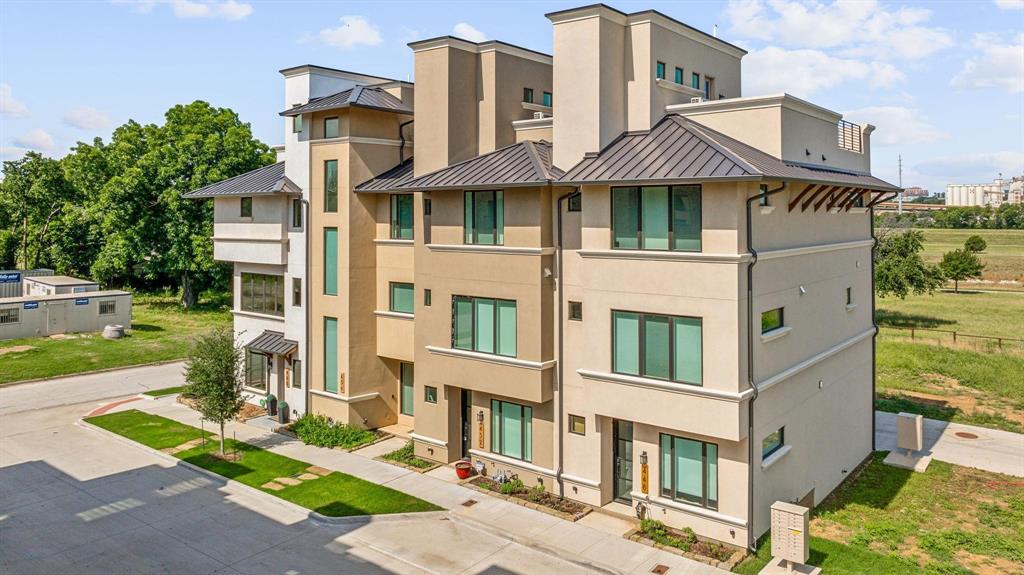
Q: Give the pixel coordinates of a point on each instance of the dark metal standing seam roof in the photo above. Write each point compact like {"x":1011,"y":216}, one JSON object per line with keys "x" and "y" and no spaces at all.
{"x":394,"y":178}
{"x":359,"y":96}
{"x":527,"y":163}
{"x":679,"y":149}
{"x":272,"y":342}
{"x":266,"y":180}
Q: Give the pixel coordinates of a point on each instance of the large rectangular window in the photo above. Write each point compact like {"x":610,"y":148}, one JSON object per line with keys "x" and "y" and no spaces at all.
{"x":256,"y":370}
{"x":401,"y":298}
{"x":485,"y":218}
{"x":657,"y":218}
{"x":331,"y":186}
{"x":332,"y":127}
{"x":484,"y":324}
{"x":331,"y":354}
{"x":658,"y":346}
{"x":401,"y":216}
{"x":689,"y":471}
{"x":512,"y":430}
{"x":406,"y":392}
{"x":262,"y":293}
{"x":330,"y":261}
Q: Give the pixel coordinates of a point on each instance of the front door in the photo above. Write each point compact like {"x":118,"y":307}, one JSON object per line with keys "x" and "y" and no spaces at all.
{"x":622,"y":459}
{"x":55,"y":318}
{"x":467,"y":422}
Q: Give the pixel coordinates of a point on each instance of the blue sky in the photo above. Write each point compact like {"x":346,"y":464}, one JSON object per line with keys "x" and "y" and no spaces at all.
{"x":943,"y":81}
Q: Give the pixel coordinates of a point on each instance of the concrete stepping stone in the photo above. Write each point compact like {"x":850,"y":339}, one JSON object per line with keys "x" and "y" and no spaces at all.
{"x":316,"y":469}
{"x":273,"y":486}
{"x":287,"y":481}
{"x":308,"y":476}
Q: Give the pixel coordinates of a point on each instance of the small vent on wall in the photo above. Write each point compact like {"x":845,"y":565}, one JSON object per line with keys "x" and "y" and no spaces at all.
{"x":539,"y":115}
{"x":697,"y":100}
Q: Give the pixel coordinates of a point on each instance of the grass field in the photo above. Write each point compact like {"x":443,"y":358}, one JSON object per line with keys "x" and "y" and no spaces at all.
{"x":161,"y":331}
{"x":950,"y":520}
{"x":969,"y":381}
{"x":334,"y":495}
{"x":1003,"y":259}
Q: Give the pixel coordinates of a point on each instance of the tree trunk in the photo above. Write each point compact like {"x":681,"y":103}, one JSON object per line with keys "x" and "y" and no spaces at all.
{"x":956,"y":286}
{"x":222,"y":439}
{"x":188,"y":295}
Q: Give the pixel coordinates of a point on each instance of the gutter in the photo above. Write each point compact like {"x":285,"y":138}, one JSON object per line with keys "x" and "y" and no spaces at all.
{"x":561,"y":345}
{"x":307,"y":311}
{"x":751,"y":539}
{"x":874,"y":338}
{"x":401,"y":138}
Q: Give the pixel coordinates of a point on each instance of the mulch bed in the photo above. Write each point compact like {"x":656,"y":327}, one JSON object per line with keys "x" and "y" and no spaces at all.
{"x":546,"y":502}
{"x":249,"y":410}
{"x":704,"y":550}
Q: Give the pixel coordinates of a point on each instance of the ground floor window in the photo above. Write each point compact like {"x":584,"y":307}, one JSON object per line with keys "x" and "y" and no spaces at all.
{"x":331,"y":354}
{"x":108,"y":307}
{"x":10,"y":315}
{"x":773,"y":442}
{"x":256,"y":370}
{"x":512,"y":430}
{"x":407,"y":398}
{"x":297,"y":373}
{"x":689,"y":471}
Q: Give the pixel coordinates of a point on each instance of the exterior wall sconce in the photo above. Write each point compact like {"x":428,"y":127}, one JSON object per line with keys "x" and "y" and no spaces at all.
{"x":803,"y":290}
{"x":480,"y":416}
{"x":644,"y":474}
{"x":643,"y":458}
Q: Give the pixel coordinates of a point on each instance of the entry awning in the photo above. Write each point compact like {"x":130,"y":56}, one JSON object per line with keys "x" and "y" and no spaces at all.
{"x":272,"y":342}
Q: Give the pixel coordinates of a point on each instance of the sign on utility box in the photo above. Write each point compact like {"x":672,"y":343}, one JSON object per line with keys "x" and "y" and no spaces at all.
{"x":790,"y":549}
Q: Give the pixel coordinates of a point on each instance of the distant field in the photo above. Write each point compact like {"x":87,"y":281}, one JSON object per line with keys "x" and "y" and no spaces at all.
{"x":1004,"y":258}
{"x":997,"y":314}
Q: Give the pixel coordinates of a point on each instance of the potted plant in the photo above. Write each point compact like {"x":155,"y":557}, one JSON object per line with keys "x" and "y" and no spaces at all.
{"x":271,"y":405}
{"x":463,"y":469}
{"x":282,"y":412}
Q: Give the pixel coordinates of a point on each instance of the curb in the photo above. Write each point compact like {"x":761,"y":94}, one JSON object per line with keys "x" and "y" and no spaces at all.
{"x":93,"y":372}
{"x":310,"y":514}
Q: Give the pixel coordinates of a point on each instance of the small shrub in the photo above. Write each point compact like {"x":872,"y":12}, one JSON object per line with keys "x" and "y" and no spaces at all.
{"x":536,"y":493}
{"x":406,"y":454}
{"x":314,"y":429}
{"x":512,"y":487}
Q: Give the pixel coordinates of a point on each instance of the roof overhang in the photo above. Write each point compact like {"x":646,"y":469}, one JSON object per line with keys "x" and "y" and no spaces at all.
{"x":272,"y":342}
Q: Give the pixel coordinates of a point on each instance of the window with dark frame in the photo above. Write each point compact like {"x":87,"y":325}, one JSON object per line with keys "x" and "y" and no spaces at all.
{"x":10,"y":315}
{"x":546,"y":99}
{"x":577,"y":425}
{"x":486,"y":325}
{"x":575,"y":202}
{"x":331,"y":185}
{"x":666,"y":218}
{"x":245,"y":208}
{"x":401,"y":297}
{"x":297,"y":124}
{"x":679,"y":76}
{"x":426,"y":206}
{"x":256,"y":370}
{"x":296,"y":292}
{"x":401,"y":216}
{"x":261,"y":293}
{"x":773,"y":442}
{"x":426,"y":298}
{"x":296,"y":374}
{"x":512,"y":430}
{"x":528,"y":95}
{"x":695,"y":80}
{"x":297,"y":213}
{"x":763,"y":201}
{"x":332,"y":127}
{"x":771,"y":320}
{"x":576,"y":310}
{"x":658,"y":346}
{"x":108,"y":307}
{"x":849,"y":296}
{"x":659,"y":70}
{"x":484,"y":217}
{"x":429,"y":394}
{"x":689,"y":471}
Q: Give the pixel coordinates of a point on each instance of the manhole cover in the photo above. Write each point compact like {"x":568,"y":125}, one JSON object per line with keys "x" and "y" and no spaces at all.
{"x":660,"y":569}
{"x":469,"y":503}
{"x":965,"y":435}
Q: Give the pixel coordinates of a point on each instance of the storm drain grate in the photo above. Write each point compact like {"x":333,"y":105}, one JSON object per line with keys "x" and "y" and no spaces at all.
{"x":660,"y":569}
{"x":469,"y":503}
{"x":965,"y":435}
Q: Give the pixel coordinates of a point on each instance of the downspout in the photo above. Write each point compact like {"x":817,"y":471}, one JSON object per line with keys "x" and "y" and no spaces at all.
{"x":308,"y":312}
{"x":401,"y":138}
{"x":751,"y":539}
{"x":561,"y":345}
{"x":874,"y":338}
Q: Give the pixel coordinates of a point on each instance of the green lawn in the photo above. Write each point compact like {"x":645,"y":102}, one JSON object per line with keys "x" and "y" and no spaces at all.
{"x":335,"y":495}
{"x":161,"y":331}
{"x":999,"y":314}
{"x":164,"y":391}
{"x":950,"y":520}
{"x":1004,"y":257}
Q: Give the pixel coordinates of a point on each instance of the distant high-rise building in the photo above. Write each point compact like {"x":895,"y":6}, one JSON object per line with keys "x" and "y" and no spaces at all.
{"x":998,"y":192}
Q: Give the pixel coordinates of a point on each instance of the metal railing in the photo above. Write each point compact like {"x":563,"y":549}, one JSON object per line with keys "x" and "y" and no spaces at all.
{"x":849,"y":136}
{"x":953,"y":338}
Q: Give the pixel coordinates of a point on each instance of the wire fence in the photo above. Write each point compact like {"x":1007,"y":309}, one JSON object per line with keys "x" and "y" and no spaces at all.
{"x":951,"y":338}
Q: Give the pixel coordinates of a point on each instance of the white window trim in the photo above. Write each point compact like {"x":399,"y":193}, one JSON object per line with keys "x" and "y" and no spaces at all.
{"x":851,"y":306}
{"x":775,"y":334}
{"x":689,"y":508}
{"x":491,"y":358}
{"x":767,"y":209}
{"x":345,"y":398}
{"x":775,"y":456}
{"x":394,"y":314}
{"x":393,"y":242}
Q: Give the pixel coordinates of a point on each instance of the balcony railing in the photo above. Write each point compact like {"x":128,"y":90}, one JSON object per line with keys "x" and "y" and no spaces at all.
{"x":849,"y":136}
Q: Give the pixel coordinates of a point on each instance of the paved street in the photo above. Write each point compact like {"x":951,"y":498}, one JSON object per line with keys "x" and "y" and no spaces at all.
{"x":74,"y":500}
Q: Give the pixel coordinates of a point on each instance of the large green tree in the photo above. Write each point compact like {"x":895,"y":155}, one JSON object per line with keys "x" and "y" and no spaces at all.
{"x":899,"y":269}
{"x":959,"y":265}
{"x":33,"y":197}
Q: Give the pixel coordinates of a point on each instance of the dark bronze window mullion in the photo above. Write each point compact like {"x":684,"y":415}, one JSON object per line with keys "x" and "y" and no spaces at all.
{"x":704,"y":473}
{"x":671,"y":339}
{"x":671,"y":219}
{"x":639,"y":218}
{"x":642,"y":331}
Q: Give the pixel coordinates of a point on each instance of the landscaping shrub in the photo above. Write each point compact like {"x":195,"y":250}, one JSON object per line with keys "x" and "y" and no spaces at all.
{"x":513,"y":487}
{"x":536,"y":493}
{"x":315,"y":429}
{"x":684,"y":540}
{"x":407,"y":455}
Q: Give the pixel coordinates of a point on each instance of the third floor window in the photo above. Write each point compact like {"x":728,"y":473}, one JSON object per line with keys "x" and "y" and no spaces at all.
{"x":485,"y":218}
{"x":656,"y":218}
{"x":331,"y":186}
{"x":332,"y":127}
{"x":401,"y":216}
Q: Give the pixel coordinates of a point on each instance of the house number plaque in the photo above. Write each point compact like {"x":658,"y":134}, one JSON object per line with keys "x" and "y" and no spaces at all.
{"x":480,"y":436}
{"x":643,"y":478}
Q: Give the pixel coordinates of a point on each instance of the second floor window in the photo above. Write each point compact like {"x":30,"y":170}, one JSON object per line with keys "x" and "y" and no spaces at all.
{"x":296,"y":292}
{"x":401,"y":298}
{"x":401,"y":216}
{"x":547,"y":99}
{"x":331,"y":186}
{"x":297,"y":213}
{"x":528,"y":95}
{"x":679,"y":76}
{"x":659,"y":71}
{"x":330,"y":261}
{"x":262,"y":293}
{"x":485,"y":218}
{"x":246,"y":207}
{"x":657,"y":218}
{"x":332,"y":127}
{"x":297,"y":124}
{"x":771,"y":320}
{"x":484,"y":324}
{"x":773,"y":442}
{"x":695,"y":81}
{"x":658,"y":346}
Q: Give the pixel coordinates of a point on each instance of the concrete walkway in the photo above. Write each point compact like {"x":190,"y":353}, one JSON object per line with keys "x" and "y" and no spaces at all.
{"x":595,"y":548}
{"x":967,"y":445}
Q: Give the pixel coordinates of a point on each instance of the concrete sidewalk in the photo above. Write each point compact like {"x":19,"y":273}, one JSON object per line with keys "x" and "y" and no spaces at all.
{"x":967,"y":445}
{"x":598,"y":549}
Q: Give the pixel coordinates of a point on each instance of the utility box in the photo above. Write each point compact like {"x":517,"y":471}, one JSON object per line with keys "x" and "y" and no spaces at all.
{"x":789,"y":532}
{"x":910,"y":432}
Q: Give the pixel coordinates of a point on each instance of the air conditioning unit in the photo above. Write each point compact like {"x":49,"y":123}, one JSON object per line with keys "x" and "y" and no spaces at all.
{"x":539,"y":115}
{"x":697,"y":100}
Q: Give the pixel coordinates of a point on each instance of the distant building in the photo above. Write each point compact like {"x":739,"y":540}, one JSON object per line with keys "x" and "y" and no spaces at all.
{"x":914,"y":192}
{"x":995,"y":194}
{"x":52,"y":305}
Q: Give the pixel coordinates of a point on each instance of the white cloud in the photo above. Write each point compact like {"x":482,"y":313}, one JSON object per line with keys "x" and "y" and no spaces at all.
{"x":354,"y":30}
{"x":86,"y":118}
{"x":803,"y":72}
{"x":850,"y":27}
{"x":8,"y":105}
{"x":897,"y":125}
{"x":1010,"y":4}
{"x":35,"y":140}
{"x":468,"y":32}
{"x":999,"y":65}
{"x":188,"y":9}
{"x":966,"y":168}
{"x":12,"y":152}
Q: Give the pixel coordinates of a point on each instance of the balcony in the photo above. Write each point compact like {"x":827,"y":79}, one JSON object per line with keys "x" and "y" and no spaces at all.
{"x":494,"y":374}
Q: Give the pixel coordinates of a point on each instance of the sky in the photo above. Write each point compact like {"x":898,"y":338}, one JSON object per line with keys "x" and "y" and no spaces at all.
{"x":942,"y":81}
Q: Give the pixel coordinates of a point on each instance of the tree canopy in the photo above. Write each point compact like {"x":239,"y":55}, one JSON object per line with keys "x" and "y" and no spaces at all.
{"x":213,"y":374}
{"x":899,"y":269}
{"x":975,"y":244}
{"x":959,"y":265}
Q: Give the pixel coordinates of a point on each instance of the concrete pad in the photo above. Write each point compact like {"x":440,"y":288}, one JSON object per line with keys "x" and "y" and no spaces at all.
{"x":914,"y":462}
{"x":780,"y":567}
{"x":317,"y":470}
{"x":521,"y":559}
{"x":143,"y":550}
{"x":273,"y":486}
{"x":381,"y":448}
{"x":570,"y":537}
{"x":288,"y":481}
{"x":441,"y":545}
{"x":618,"y":554}
{"x":308,"y":476}
{"x":608,"y":523}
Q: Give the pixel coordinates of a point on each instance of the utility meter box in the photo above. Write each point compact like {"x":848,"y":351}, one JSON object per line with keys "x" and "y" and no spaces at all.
{"x":789,"y":532}
{"x":910,"y":431}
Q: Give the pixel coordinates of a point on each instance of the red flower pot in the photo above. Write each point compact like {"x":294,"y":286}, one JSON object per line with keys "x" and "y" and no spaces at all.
{"x":463,"y":469}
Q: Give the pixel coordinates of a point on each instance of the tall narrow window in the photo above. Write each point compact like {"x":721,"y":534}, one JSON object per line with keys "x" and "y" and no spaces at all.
{"x":486,"y":325}
{"x":330,"y":261}
{"x":402,"y":295}
{"x":849,"y":296}
{"x":426,"y":298}
{"x":708,"y":82}
{"x":528,"y":95}
{"x":401,"y":216}
{"x":296,"y":292}
{"x":659,"y":71}
{"x":656,"y":218}
{"x":679,"y":76}
{"x":485,"y":218}
{"x":771,"y":320}
{"x":297,"y":373}
{"x":331,"y":354}
{"x":407,"y":399}
{"x":695,"y":80}
{"x":332,"y":127}
{"x":256,"y":370}
{"x":689,"y":471}
{"x":512,"y":430}
{"x":297,"y":213}
{"x":246,"y":207}
{"x":297,"y":123}
{"x":547,"y":99}
{"x":657,"y":346}
{"x":331,"y":186}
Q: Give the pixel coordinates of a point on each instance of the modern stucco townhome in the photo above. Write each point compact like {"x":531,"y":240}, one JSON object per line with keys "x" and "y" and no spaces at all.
{"x":607,"y":270}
